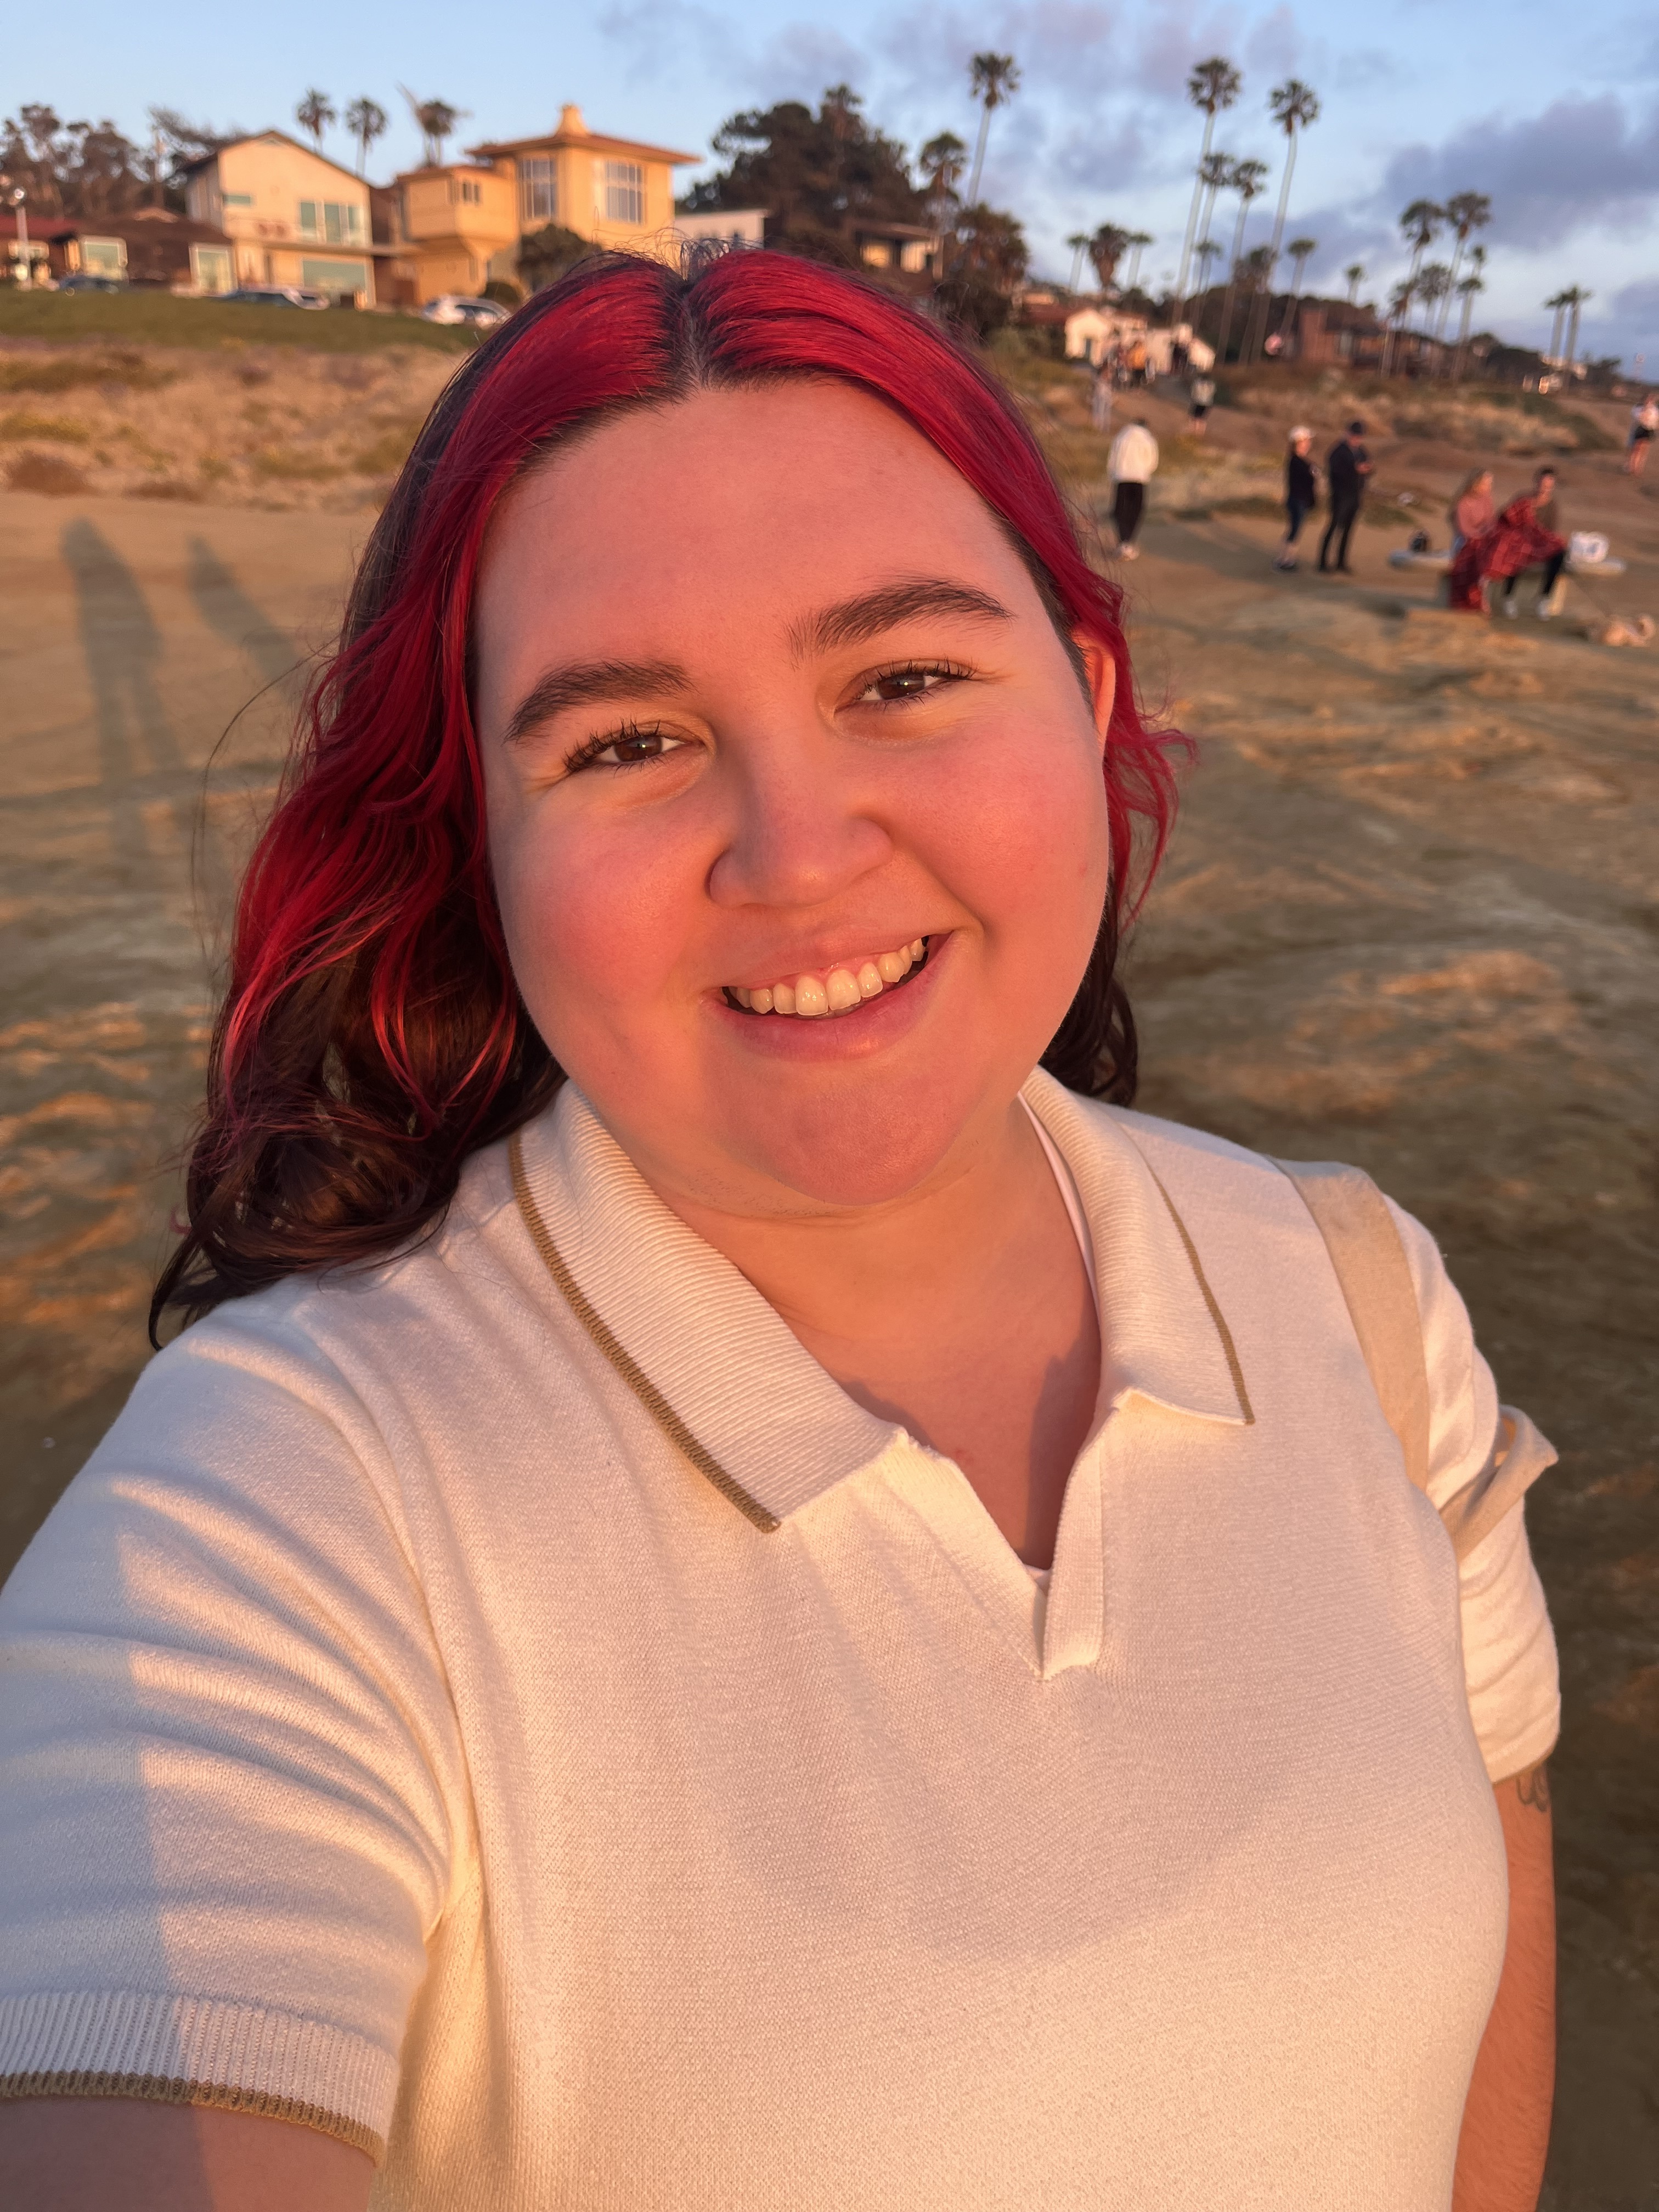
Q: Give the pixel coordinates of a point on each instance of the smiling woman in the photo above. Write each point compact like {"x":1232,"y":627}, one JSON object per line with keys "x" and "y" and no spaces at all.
{"x":744,"y":1590}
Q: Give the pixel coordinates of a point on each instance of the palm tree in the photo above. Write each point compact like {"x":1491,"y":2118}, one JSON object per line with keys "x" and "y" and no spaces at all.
{"x":435,"y":119}
{"x":1421,"y":223}
{"x":1400,"y":306}
{"x":1574,"y":297}
{"x":1246,"y":180}
{"x":1467,"y":212}
{"x":1561,"y":302}
{"x":1213,"y":172}
{"x":1106,"y":249}
{"x":1204,"y":254}
{"x":994,"y":79}
{"x":1298,"y":249}
{"x":1213,"y":85}
{"x":1467,"y":288}
{"x":1294,"y":106}
{"x":1434,"y":281}
{"x":1138,"y":240}
{"x":314,"y":114}
{"x":1355,"y":273}
{"x":1078,"y":242}
{"x":366,"y":120}
{"x":943,"y":159}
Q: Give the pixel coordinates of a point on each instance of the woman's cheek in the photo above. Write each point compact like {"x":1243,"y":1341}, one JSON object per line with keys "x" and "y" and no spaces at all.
{"x":596,"y":916}
{"x":1020,"y":830}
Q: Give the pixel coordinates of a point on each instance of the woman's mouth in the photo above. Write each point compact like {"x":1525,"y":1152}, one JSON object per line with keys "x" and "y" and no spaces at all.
{"x":834,"y":990}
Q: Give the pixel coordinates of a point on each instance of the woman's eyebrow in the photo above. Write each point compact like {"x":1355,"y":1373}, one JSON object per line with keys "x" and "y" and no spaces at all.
{"x":583,"y":681}
{"x":851,"y":620}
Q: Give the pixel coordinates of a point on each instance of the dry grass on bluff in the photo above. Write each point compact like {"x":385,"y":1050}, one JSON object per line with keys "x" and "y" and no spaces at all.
{"x":249,"y":426}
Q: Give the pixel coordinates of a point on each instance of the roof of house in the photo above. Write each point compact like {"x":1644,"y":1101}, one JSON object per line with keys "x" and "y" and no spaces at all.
{"x":253,"y":139}
{"x":572,"y":130}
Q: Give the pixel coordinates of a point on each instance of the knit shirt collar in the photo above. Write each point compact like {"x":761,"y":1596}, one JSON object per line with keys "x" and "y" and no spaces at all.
{"x":750,"y":1391}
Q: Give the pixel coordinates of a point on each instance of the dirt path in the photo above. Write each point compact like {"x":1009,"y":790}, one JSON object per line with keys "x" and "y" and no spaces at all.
{"x":1410,"y":920}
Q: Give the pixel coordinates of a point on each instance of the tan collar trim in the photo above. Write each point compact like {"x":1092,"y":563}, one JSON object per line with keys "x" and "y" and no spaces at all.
{"x":1228,"y":1346}
{"x":631,"y":1373}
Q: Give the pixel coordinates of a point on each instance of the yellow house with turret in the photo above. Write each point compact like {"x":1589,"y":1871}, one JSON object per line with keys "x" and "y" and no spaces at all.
{"x":457,"y":227}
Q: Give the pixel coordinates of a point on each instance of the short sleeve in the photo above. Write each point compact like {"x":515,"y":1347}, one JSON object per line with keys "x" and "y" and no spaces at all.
{"x":1510,"y":1664}
{"x":230,"y":1780}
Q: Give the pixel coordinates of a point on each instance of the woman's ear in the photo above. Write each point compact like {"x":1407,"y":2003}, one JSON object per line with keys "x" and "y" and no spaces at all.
{"x":1100,"y":680}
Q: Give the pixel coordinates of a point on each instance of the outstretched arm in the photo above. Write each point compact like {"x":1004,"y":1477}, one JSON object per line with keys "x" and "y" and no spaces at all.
{"x":1506,"y":2119}
{"x":85,"y":2154}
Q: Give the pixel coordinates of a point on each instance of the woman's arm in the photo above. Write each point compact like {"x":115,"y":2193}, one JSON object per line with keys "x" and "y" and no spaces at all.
{"x":1506,"y":2119}
{"x":88,"y":2153}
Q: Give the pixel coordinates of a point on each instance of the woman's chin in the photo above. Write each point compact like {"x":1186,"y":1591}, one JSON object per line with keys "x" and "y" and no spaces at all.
{"x":870,"y":1146}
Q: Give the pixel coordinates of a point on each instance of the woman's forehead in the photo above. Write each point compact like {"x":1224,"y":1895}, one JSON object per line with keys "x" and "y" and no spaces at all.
{"x":800,"y":492}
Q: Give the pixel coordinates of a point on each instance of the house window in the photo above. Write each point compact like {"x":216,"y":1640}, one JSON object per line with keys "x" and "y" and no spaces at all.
{"x":341,"y":223}
{"x":876,"y":253}
{"x":104,"y":257}
{"x":467,"y":190}
{"x":624,"y":191}
{"x":210,"y":268}
{"x":538,"y":189}
{"x":341,"y":279}
{"x":237,"y":199}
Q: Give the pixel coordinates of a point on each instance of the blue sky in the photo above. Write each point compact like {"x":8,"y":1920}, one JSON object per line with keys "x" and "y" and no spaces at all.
{"x":1553,"y":110}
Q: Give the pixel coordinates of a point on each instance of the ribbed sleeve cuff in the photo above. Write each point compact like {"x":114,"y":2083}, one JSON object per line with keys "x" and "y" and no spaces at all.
{"x":197,"y":2051}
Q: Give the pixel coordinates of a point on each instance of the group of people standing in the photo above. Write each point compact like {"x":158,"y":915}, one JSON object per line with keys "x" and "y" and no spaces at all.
{"x":1346,"y":467}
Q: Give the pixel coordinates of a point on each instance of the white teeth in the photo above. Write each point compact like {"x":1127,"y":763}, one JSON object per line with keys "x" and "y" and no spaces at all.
{"x":839,"y":991}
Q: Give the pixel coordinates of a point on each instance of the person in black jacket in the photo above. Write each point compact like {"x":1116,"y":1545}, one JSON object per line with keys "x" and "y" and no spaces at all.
{"x":1301,"y":490}
{"x":1346,"y":467}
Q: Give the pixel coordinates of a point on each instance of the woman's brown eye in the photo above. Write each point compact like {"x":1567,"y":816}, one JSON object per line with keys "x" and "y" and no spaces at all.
{"x":903,"y":683}
{"x":638,"y":745}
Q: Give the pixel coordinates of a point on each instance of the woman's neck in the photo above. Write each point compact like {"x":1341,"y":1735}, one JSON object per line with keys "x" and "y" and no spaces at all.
{"x":962,"y":1311}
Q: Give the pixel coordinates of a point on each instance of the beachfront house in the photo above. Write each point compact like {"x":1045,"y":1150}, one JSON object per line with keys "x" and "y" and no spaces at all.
{"x":456,"y":227}
{"x":292,"y":216}
{"x":614,"y":191}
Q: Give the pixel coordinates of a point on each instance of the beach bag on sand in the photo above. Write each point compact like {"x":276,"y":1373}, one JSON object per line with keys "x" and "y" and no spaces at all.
{"x":1352,"y":1216}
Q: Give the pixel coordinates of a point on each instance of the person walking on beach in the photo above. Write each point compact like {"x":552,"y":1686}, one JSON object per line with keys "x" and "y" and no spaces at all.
{"x":1520,"y":538}
{"x":1346,"y":467}
{"x":1133,"y":463}
{"x":1203,"y":398}
{"x":1100,"y":397}
{"x":1301,"y":490}
{"x":1644,"y":422}
{"x":1471,"y":511}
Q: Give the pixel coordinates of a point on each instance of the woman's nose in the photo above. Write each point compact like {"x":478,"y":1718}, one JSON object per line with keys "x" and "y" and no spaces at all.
{"x":801,"y":827}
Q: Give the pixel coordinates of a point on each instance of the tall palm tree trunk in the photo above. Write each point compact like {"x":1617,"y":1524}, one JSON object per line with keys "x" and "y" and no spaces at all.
{"x":1192,"y":213}
{"x":1258,"y":324}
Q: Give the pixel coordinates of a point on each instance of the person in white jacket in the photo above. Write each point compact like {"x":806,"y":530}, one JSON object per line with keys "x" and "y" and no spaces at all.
{"x":1133,"y":462}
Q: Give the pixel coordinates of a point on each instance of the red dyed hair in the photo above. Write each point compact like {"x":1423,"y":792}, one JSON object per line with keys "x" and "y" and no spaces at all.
{"x":372,"y":1034}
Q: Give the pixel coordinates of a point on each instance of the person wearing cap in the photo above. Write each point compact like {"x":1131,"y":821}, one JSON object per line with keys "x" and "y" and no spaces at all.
{"x":1301,"y":490}
{"x":1346,"y":467}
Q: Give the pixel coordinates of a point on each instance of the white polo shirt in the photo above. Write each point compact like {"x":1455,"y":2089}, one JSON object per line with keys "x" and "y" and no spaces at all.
{"x":401,"y":1732}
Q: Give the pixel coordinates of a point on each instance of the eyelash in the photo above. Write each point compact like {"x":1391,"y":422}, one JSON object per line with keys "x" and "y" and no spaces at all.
{"x":587,"y":753}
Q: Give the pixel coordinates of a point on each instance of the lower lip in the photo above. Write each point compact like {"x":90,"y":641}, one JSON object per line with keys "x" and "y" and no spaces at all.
{"x":878,"y":1024}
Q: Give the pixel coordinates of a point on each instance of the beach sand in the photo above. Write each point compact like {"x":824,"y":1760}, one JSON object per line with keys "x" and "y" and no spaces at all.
{"x":1410,"y":918}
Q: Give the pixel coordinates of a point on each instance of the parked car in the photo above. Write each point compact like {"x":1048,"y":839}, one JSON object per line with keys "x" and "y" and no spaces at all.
{"x":275,"y":295}
{"x":456,"y":307}
{"x":85,"y":280}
